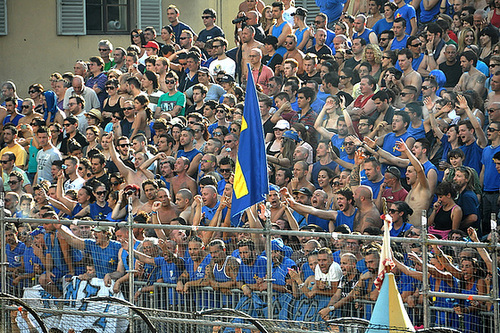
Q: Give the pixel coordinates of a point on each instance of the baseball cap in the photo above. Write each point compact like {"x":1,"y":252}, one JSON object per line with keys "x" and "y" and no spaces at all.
{"x":152,"y":44}
{"x":227,"y":78}
{"x":282,"y":124}
{"x":304,"y":190}
{"x":100,"y":228}
{"x":292,"y":135}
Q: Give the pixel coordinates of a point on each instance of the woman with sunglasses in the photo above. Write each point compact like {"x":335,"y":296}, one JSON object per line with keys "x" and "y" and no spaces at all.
{"x":200,"y":135}
{"x":70,"y":207}
{"x":113,"y":102}
{"x":220,"y":115}
{"x":176,"y":134}
{"x":36,"y":94}
{"x":325,"y":181}
{"x":446,"y":215}
{"x":137,"y":38}
{"x":347,"y":79}
{"x":98,"y":210}
{"x":92,"y":136}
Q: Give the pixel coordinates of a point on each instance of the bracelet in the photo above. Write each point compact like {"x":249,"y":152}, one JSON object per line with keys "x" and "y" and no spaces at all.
{"x":376,"y":148}
{"x":301,"y":285}
{"x":332,"y":307}
{"x":153,"y":212}
{"x":243,"y":286}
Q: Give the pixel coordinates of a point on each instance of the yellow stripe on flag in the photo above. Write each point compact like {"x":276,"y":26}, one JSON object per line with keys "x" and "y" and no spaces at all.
{"x":240,"y":184}
{"x":243,"y":124}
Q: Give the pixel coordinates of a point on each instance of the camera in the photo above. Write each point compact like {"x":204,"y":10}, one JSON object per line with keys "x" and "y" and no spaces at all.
{"x":237,"y":20}
{"x":64,"y":166}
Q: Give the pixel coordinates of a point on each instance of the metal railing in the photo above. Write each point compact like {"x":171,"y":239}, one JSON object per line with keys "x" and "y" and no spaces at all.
{"x":159,"y":299}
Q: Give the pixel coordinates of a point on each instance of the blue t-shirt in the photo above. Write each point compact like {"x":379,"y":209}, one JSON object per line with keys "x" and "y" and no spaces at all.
{"x":407,"y":12}
{"x":276,"y":33}
{"x":365,"y":35}
{"x":473,"y":155}
{"x":322,"y":223}
{"x":332,"y":8}
{"x":382,"y":25}
{"x":416,"y":133}
{"x":339,"y":143}
{"x":189,"y":154}
{"x":428,"y":15}
{"x":280,"y":272}
{"x":14,"y":121}
{"x":178,"y":30}
{"x":200,"y":271}
{"x":374,"y":186}
{"x":344,"y":219}
{"x":399,"y":44}
{"x":14,"y":256}
{"x":490,"y":172}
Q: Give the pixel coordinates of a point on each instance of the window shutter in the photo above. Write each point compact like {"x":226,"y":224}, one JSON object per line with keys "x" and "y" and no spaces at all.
{"x":149,"y":14}
{"x":71,"y":17}
{"x":3,"y":17}
{"x":312,"y":9}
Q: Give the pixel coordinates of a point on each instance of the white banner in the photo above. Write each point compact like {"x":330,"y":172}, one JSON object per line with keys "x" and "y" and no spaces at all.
{"x":73,"y":292}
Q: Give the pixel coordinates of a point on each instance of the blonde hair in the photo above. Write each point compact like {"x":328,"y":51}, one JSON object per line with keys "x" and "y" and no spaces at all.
{"x":376,"y":51}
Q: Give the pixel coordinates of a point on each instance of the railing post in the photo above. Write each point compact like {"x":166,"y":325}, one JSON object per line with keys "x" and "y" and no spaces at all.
{"x":494,"y":255}
{"x":269,"y":264}
{"x":131,"y":266}
{"x":3,"y":263}
{"x":425,"y":270}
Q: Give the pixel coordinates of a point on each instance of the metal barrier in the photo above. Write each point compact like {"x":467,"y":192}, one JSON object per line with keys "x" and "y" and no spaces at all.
{"x":176,"y":309}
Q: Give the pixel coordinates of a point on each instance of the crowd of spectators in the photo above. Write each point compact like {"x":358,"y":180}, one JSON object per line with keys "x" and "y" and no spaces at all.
{"x":395,"y":110}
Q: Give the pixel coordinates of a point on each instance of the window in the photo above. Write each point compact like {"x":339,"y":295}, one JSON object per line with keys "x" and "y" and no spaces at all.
{"x":107,"y":16}
{"x":81,"y":17}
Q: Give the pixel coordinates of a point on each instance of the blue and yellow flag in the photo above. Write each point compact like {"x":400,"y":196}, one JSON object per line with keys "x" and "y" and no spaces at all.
{"x":250,"y":176}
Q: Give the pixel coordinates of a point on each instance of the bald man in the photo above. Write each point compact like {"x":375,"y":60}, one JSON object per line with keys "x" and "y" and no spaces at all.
{"x":88,"y":94}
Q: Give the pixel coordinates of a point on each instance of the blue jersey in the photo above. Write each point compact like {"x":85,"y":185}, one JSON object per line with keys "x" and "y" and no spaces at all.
{"x":339,"y":143}
{"x":277,"y":30}
{"x":390,"y":146}
{"x":374,"y":186}
{"x":58,"y":263}
{"x":365,"y":35}
{"x":220,"y":274}
{"x":280,"y":272}
{"x":322,"y":223}
{"x":416,"y":133}
{"x":344,"y":219}
{"x":14,"y":256}
{"x":105,"y":260}
{"x":98,"y":213}
{"x":30,"y":260}
{"x":124,"y":256}
{"x":200,"y":271}
{"x":399,"y":44}
{"x":189,"y":154}
{"x":249,"y":274}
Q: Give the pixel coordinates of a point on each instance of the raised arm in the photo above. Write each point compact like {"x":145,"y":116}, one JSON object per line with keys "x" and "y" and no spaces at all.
{"x":482,"y":141}
{"x":124,"y":170}
{"x":69,"y":237}
{"x":318,"y":124}
{"x":402,"y":147}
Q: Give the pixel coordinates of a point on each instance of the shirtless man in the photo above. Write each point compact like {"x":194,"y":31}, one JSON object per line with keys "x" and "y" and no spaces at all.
{"x":249,"y":42}
{"x":182,"y":180}
{"x":410,"y":76}
{"x":419,"y":197}
{"x":494,"y":95}
{"x":293,"y":53}
{"x":183,"y":200}
{"x":367,"y":214}
{"x":163,"y":211}
{"x":150,"y":189}
{"x":131,"y":176}
{"x":299,"y":180}
{"x":472,"y":78}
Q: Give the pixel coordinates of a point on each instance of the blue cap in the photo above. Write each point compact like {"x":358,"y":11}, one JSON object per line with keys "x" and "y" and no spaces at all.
{"x":38,"y":231}
{"x":292,"y":135}
{"x":273,"y":187}
{"x":277,"y":245}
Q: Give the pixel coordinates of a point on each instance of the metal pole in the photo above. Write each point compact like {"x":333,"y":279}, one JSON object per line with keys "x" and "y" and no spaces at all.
{"x":131,"y":268}
{"x":425,"y":270}
{"x":269,"y":264}
{"x":495,"y":290}
{"x":3,"y":257}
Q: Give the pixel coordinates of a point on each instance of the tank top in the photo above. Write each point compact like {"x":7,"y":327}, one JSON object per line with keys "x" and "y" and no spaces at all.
{"x":495,"y":19}
{"x":443,"y":221}
{"x":112,"y":108}
{"x":220,"y":274}
{"x":277,"y":29}
{"x":300,"y":36}
{"x":317,"y":167}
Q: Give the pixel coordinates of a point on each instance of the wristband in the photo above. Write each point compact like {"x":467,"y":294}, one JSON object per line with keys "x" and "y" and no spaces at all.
{"x":301,"y":285}
{"x":332,"y":307}
{"x":153,"y":212}
{"x":376,"y":148}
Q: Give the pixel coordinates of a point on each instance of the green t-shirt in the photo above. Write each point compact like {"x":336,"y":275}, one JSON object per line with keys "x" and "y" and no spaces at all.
{"x":166,"y":102}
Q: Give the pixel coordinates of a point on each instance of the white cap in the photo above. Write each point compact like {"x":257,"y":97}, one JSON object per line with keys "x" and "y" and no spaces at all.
{"x":282,"y":124}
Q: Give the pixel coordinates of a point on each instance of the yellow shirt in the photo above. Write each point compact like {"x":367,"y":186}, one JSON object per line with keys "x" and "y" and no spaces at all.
{"x":20,"y":152}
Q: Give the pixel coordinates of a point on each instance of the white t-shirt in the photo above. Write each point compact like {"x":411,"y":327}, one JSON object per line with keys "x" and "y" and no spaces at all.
{"x":227,"y":64}
{"x":73,"y":185}
{"x":334,"y":273}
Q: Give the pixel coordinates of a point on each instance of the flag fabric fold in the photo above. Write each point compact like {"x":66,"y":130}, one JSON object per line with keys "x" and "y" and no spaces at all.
{"x":386,"y":264}
{"x":250,"y":176}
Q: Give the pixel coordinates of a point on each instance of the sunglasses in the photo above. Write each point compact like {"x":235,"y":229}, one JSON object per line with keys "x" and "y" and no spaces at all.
{"x":392,"y":211}
{"x":404,"y":94}
{"x":32,"y":91}
{"x":218,"y":134}
{"x":67,"y":125}
{"x":100,"y":192}
{"x":384,"y":57}
{"x":382,"y":39}
{"x":342,"y":77}
{"x":170,"y":81}
{"x":135,"y":36}
{"x":224,"y":170}
{"x":12,"y":182}
{"x":206,"y":17}
{"x":491,"y":129}
{"x":182,"y":38}
{"x":129,"y":108}
{"x":26,"y":106}
{"x":228,"y":141}
{"x":425,"y":87}
{"x":336,"y":184}
{"x":220,"y":111}
{"x":103,"y":50}
{"x":416,"y":45}
{"x":110,"y":88}
{"x":123,"y":145}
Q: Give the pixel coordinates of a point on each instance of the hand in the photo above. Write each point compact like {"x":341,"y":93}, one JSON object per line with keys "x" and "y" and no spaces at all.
{"x":359,"y":156}
{"x":447,"y":108}
{"x":370,"y":142}
{"x":329,"y":104}
{"x":116,"y":287}
{"x":342,"y":102}
{"x":356,"y":140}
{"x":294,"y":274}
{"x":472,"y":234}
{"x":161,"y":156}
{"x":137,"y":295}
{"x":414,"y":257}
{"x":246,"y":291}
{"x":462,"y":102}
{"x":107,"y":280}
{"x":180,"y":287}
{"x":429,"y":104}
{"x":401,"y":146}
{"x":436,"y":205}
{"x":430,"y":43}
{"x":120,"y":195}
{"x":325,"y":313}
{"x":294,"y":182}
{"x":156,"y":206}
{"x":197,"y":201}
